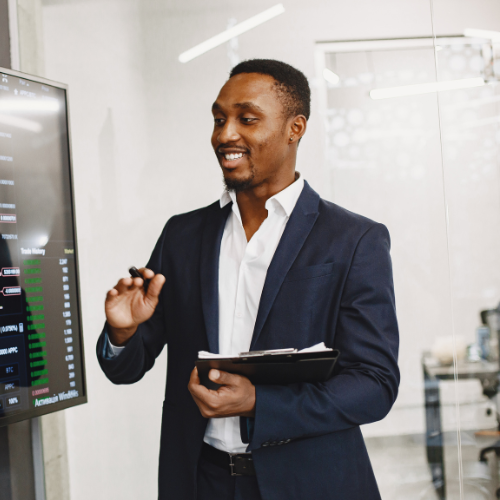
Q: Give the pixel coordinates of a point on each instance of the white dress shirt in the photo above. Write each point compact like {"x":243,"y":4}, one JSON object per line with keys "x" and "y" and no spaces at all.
{"x":242,"y":272}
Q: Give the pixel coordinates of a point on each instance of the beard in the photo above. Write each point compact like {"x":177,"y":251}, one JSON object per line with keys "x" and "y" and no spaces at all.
{"x":238,"y":185}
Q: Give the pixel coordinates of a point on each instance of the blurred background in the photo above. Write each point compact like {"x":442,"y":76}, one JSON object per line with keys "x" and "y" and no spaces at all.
{"x":405,"y":129}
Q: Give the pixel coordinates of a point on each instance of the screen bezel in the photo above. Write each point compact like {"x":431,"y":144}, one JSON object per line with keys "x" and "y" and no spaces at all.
{"x":61,"y":405}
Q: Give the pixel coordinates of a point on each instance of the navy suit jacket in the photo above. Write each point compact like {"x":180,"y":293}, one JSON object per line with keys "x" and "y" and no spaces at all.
{"x":330,"y":281}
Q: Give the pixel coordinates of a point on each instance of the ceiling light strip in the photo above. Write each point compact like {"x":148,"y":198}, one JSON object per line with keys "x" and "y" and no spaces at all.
{"x":475,"y":33}
{"x":237,"y":30}
{"x":425,"y":88}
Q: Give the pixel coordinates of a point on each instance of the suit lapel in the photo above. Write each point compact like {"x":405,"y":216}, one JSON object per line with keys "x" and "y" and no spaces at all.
{"x":210,"y":251}
{"x":294,"y":236}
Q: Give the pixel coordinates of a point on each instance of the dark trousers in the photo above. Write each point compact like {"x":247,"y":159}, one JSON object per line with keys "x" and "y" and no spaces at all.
{"x":215,"y":483}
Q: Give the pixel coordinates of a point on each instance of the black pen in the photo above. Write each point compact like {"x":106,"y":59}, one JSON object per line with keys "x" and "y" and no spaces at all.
{"x":135,"y":273}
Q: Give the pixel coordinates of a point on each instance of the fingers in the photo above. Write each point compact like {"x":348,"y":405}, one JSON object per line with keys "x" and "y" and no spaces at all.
{"x":147,"y":273}
{"x":236,"y":397}
{"x":121,"y":287}
{"x":199,"y":393}
{"x":112,"y":294}
{"x":125,"y":283}
{"x":128,"y":283}
{"x":194,"y":386}
{"x":155,"y":286}
{"x":194,"y":378}
{"x":224,"y":378}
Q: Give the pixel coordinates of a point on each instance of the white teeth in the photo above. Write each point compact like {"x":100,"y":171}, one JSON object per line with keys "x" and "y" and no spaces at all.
{"x":232,"y":156}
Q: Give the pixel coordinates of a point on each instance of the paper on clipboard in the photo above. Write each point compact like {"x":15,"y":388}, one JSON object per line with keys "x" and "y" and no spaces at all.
{"x":275,"y":367}
{"x":315,"y":348}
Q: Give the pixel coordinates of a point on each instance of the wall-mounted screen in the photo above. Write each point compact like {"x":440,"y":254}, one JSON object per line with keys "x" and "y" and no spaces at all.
{"x":41,"y":351}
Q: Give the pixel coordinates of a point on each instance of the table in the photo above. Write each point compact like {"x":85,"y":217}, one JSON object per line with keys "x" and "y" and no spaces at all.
{"x":488,"y":374}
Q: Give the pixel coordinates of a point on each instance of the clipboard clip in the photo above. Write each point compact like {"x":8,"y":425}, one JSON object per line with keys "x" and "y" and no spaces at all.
{"x":270,"y":352}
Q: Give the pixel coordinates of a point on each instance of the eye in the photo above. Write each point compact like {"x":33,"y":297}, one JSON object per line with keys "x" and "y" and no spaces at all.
{"x":248,"y":120}
{"x":219,"y":121}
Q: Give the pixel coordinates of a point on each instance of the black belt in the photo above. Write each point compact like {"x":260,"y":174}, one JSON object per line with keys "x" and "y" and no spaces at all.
{"x":237,"y":464}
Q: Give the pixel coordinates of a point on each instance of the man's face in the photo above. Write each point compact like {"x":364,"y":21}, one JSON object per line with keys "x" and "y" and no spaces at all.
{"x":250,"y":135}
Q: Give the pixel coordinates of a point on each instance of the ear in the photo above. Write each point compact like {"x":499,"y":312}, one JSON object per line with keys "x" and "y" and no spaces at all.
{"x":296,"y":128}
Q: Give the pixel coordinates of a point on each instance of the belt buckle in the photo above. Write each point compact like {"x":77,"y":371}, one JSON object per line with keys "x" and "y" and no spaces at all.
{"x":232,"y":464}
{"x":241,"y":464}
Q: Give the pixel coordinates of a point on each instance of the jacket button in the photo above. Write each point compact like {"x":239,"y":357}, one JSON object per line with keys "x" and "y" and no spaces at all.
{"x":265,"y":444}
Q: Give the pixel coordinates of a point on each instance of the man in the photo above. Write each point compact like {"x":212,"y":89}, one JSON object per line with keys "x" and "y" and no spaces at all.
{"x":270,"y":265}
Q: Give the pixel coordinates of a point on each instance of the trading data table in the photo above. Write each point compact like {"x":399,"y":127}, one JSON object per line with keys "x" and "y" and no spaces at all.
{"x":41,"y":362}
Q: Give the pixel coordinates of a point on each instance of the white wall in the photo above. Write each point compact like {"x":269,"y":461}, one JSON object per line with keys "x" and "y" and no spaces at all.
{"x":97,"y":49}
{"x":141,"y":143}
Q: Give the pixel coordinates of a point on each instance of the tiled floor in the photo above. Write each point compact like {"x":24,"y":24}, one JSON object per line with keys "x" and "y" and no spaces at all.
{"x":402,"y":472}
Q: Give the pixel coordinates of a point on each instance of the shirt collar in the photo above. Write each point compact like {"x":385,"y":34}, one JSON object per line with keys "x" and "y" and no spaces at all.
{"x":226,"y":198}
{"x":286,"y":199}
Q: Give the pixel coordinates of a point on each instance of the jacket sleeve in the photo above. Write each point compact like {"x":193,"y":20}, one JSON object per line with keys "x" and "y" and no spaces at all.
{"x":366,"y":378}
{"x":146,"y":344}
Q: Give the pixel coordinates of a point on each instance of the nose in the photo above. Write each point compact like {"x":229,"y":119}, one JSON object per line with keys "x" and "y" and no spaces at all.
{"x":229,"y":133}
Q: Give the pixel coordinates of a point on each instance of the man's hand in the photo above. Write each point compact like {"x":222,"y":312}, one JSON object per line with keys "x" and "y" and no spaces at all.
{"x":236,"y":397}
{"x":127,"y":305}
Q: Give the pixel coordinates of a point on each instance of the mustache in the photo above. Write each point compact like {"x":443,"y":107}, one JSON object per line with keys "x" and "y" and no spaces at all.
{"x":228,"y":146}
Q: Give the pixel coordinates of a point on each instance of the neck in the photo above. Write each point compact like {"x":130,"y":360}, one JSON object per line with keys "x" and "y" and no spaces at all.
{"x":252,"y":201}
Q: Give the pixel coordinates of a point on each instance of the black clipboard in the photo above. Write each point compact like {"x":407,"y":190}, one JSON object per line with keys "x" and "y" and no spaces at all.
{"x":273,"y":369}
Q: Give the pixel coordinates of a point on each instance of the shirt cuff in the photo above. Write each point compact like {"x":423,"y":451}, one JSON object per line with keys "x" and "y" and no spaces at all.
{"x":111,"y":351}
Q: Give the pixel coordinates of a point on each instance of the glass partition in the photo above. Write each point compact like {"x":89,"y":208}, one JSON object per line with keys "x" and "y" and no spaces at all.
{"x":383,"y":153}
{"x":467,"y":69}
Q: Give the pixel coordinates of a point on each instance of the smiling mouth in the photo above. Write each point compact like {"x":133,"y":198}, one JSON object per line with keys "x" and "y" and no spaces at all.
{"x":233,"y":156}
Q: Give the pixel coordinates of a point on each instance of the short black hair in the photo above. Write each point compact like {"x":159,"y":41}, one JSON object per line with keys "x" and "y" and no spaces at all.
{"x":291,"y":84}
